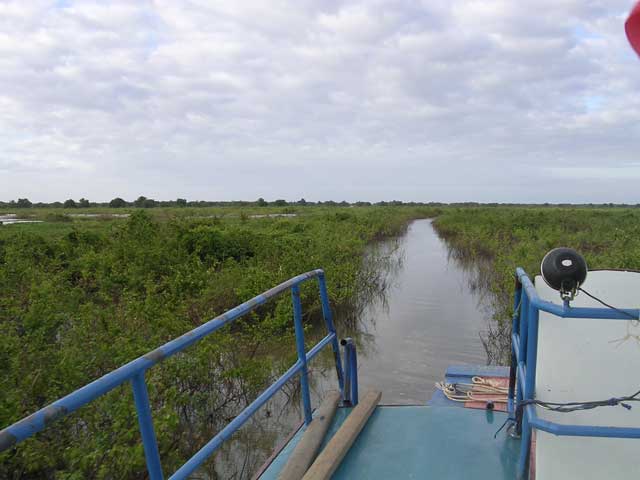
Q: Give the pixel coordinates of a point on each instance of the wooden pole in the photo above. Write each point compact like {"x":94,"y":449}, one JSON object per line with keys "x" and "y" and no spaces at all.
{"x":329,"y":459}
{"x":306,"y":450}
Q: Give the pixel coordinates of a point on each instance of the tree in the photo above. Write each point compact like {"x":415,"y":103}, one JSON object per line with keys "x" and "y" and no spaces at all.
{"x":302,"y":201}
{"x":70,"y":204}
{"x":23,"y":203}
{"x":117,"y":203}
{"x":139,"y":202}
{"x":181,"y":202}
{"x":262,"y":202}
{"x":280,"y":203}
{"x":83,"y":203}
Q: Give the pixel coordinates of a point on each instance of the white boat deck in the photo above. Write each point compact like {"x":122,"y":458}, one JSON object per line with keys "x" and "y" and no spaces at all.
{"x":584,"y":360}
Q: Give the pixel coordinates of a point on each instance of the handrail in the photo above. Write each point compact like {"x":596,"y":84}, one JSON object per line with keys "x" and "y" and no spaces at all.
{"x":134,"y":371}
{"x":565,"y":311}
{"x":524,"y":351}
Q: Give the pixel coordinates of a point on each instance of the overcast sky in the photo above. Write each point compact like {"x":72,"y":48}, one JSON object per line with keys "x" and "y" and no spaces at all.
{"x":469,"y":100}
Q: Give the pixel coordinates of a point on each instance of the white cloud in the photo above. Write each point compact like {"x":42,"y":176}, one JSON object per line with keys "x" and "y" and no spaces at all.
{"x":452,"y":100}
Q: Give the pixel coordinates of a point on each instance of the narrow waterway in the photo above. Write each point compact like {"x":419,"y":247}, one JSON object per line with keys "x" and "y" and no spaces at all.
{"x":423,"y":313}
{"x":429,"y":317}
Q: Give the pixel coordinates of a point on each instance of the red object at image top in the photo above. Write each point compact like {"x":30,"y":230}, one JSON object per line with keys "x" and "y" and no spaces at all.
{"x":632,"y":27}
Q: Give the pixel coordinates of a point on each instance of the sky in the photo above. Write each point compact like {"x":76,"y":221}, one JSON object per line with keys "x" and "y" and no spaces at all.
{"x":525,"y":101}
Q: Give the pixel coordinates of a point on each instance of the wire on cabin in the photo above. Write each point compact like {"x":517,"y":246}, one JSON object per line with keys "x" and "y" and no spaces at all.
{"x":606,"y":304}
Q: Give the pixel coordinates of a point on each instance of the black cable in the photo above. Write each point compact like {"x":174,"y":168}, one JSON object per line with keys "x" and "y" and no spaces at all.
{"x":606,"y":304}
{"x":574,"y":406}
{"x":509,"y":419}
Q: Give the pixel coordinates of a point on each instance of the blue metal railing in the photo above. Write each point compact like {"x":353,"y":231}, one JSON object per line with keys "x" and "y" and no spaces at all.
{"x":351,"y":372}
{"x":134,"y":371}
{"x":524,"y":351}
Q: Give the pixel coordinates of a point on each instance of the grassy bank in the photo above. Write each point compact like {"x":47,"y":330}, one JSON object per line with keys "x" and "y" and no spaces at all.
{"x":520,"y":236}
{"x":80,"y":296}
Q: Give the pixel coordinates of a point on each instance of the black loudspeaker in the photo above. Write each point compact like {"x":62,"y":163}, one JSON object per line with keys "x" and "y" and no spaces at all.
{"x":565,"y":270}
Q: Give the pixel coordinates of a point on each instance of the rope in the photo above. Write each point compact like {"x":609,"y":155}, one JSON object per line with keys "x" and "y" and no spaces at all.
{"x":466,"y":392}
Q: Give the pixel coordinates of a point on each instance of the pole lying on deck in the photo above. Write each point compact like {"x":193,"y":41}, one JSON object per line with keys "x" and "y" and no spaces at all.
{"x":307,"y":449}
{"x":329,"y":459}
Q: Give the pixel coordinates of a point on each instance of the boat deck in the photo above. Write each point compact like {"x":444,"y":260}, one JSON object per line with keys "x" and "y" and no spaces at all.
{"x":410,"y":441}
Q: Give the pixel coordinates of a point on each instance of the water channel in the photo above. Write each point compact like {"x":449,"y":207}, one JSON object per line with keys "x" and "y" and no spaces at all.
{"x":429,"y":317}
{"x":424,"y":313}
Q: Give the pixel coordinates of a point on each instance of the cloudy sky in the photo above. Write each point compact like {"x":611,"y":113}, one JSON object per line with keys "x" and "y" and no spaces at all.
{"x":452,"y":100}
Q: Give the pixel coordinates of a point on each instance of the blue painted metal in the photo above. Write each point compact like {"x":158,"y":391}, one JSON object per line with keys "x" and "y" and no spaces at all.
{"x":353,"y":365}
{"x":346,"y":397}
{"x":524,"y":326}
{"x":149,"y":442}
{"x":571,"y":312}
{"x":194,"y":462}
{"x":302,"y":356}
{"x":515,"y":326}
{"x":134,"y":372}
{"x":579,"y":430}
{"x":524,"y":359}
{"x":328,"y":319}
{"x":320,"y":345}
{"x":400,"y":442}
{"x":529,"y":379}
{"x":351,"y":372}
{"x":469,"y":371}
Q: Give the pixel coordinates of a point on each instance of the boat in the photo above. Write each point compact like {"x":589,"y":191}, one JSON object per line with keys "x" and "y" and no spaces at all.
{"x":565,"y":400}
{"x":561,"y":409}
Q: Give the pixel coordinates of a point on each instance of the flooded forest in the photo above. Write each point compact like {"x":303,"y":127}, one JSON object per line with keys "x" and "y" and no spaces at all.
{"x":418,"y":288}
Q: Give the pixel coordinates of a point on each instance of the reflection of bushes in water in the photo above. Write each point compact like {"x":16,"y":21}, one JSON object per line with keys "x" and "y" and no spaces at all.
{"x":496,"y":341}
{"x":481,"y":279}
{"x":380,"y":266}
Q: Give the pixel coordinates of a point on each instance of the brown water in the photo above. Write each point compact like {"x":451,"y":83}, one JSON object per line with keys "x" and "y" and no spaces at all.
{"x":430,"y":317}
{"x":423,"y":313}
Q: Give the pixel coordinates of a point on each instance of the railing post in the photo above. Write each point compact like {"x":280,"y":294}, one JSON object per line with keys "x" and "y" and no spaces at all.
{"x":141,"y":398}
{"x":529,"y":386}
{"x":353,"y":365}
{"x":302,"y":355}
{"x":346,"y":395}
{"x":351,"y":372}
{"x":514,"y":329}
{"x":328,"y":319}
{"x":523,"y":327}
{"x":522,"y":349}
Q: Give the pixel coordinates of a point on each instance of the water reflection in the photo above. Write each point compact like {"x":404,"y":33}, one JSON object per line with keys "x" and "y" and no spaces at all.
{"x":427,"y":319}
{"x":494,"y":306}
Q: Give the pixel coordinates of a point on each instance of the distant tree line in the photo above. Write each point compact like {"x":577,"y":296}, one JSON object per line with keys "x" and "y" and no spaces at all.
{"x":144,"y":202}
